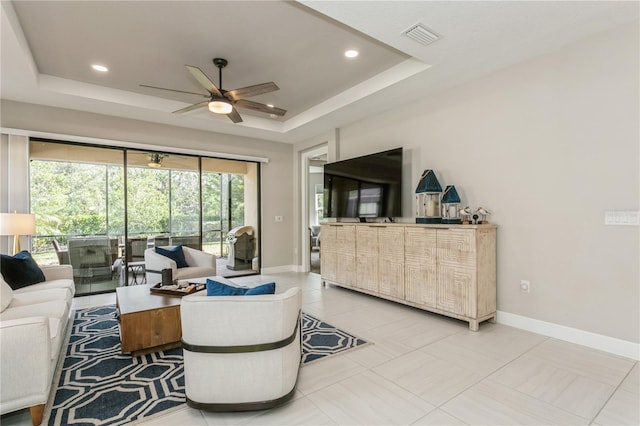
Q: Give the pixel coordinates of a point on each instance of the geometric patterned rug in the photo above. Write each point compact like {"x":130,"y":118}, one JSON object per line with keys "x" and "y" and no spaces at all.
{"x":320,"y":339}
{"x":99,"y":385}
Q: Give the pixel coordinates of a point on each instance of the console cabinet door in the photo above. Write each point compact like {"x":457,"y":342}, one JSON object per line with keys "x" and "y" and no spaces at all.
{"x":420,"y":260}
{"x":367,"y":259}
{"x":456,"y":260}
{"x":391,"y":261}
{"x":329,"y":252}
{"x":346,"y":255}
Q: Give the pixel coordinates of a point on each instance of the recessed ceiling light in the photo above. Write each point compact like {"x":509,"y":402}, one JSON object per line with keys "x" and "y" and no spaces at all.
{"x":100,"y":68}
{"x":351,"y":53}
{"x":270,"y":105}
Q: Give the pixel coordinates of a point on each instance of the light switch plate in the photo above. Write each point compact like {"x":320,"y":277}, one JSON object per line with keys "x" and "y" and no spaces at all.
{"x":622,"y":217}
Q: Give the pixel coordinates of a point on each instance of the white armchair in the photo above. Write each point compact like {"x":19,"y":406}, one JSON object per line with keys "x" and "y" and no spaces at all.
{"x":241,"y":353}
{"x":201,"y":264}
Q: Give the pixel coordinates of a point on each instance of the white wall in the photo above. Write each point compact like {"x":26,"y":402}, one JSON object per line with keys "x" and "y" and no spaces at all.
{"x":547,"y":146}
{"x":277,"y":174}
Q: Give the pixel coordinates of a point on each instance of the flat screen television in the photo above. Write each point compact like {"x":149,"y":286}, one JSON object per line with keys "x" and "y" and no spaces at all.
{"x":364,"y":187}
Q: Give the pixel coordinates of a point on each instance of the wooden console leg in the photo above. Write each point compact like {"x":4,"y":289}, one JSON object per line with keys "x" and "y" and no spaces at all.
{"x":493,"y":319}
{"x":474,"y":325}
{"x":36,"y":414}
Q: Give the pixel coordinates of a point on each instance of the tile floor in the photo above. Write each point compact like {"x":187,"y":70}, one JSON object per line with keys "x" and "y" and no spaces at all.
{"x":425,"y":369}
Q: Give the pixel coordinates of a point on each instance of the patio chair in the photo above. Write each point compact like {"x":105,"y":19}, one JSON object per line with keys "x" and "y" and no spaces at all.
{"x":62,"y":253}
{"x":91,"y":259}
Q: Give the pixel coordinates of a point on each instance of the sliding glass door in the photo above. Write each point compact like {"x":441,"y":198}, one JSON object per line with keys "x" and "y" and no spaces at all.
{"x":77,"y":196}
{"x":99,"y":209}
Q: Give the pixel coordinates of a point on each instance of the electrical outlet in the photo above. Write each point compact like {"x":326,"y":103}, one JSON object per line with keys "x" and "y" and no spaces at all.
{"x":525,"y":286}
{"x":622,"y":217}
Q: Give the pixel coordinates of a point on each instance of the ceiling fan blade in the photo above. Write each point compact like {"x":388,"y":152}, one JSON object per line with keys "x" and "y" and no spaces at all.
{"x":234,"y":116}
{"x":174,"y":90}
{"x":191,"y":107}
{"x":256,"y":106}
{"x":249,"y":91}
{"x":203,"y":80}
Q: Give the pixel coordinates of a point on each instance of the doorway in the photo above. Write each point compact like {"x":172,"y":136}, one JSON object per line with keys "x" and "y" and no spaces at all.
{"x":313,"y":162}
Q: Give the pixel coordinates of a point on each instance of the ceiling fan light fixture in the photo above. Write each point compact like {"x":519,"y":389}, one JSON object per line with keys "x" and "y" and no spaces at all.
{"x":155,"y":160}
{"x":220,"y":107}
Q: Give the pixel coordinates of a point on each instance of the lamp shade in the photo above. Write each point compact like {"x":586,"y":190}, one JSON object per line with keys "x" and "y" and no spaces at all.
{"x":17,"y":224}
{"x":450,"y":195}
{"x":428,"y":183}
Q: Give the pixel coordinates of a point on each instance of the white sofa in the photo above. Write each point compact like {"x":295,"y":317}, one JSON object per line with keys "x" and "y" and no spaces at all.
{"x":241,"y":352}
{"x":201,"y":264}
{"x":33,"y":323}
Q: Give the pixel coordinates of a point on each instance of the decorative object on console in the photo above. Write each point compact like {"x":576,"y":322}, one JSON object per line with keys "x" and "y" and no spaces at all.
{"x":450,"y":200}
{"x":483,"y":216}
{"x":466,"y":215}
{"x":17,"y":224}
{"x":428,"y":198}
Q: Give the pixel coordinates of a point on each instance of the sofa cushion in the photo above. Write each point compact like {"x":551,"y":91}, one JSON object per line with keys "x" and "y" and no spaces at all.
{"x":20,"y":270}
{"x":194,"y":272}
{"x":51,"y":308}
{"x":216,"y":288}
{"x":46,"y":295}
{"x":176,"y":254}
{"x":56,"y":312}
{"x":6,"y":294}
{"x":61,"y":283}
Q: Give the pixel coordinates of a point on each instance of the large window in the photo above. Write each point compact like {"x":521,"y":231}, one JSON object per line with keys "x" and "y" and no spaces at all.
{"x":85,"y":217}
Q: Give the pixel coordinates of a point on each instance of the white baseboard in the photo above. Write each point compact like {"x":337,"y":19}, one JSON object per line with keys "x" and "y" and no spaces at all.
{"x":573,"y":335}
{"x":279,"y":269}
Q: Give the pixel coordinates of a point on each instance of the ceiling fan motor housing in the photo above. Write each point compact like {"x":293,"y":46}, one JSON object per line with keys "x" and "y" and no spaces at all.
{"x":220,"y":62}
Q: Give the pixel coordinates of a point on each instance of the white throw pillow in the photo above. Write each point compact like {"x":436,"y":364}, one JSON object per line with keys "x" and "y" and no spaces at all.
{"x":6,"y":294}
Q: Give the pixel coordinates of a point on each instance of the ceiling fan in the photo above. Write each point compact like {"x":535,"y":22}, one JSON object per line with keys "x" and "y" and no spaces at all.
{"x":222,"y":101}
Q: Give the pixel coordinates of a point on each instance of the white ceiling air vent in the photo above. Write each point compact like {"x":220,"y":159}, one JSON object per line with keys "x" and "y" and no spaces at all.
{"x":421,"y":34}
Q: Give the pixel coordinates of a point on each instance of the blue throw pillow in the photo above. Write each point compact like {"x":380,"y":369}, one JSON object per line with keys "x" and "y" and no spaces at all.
{"x":215,"y":288}
{"x":20,"y":270}
{"x":176,"y":254}
{"x":269,"y":288}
